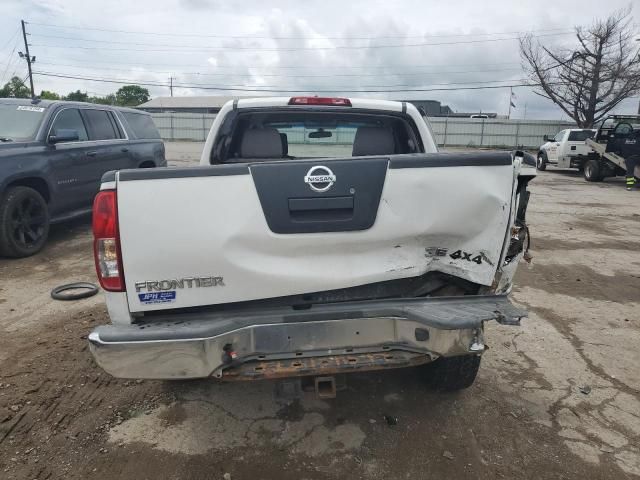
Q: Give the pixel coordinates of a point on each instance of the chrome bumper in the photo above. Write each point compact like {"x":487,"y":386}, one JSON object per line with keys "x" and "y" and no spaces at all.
{"x":196,"y":345}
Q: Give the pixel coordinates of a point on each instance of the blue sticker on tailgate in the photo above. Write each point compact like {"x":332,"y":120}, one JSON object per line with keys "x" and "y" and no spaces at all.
{"x":157,"y":297}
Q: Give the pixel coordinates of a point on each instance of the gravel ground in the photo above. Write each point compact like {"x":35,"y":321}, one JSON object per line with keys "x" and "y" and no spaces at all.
{"x":558,"y":397}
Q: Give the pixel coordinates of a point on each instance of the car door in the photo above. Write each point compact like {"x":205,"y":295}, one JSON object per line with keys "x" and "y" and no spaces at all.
{"x":107,"y":149}
{"x":66,"y":162}
{"x":553,"y":151}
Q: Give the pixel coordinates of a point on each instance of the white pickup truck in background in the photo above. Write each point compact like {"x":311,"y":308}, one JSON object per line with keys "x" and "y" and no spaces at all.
{"x":567,"y":149}
{"x":318,"y":236}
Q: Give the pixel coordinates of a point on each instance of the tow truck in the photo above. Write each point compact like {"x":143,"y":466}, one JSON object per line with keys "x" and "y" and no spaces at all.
{"x":614,"y":140}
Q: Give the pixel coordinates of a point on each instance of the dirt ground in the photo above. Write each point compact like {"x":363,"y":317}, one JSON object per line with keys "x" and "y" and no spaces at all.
{"x":557,"y":398}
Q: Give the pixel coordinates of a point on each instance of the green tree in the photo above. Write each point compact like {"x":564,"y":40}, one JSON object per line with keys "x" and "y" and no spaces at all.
{"x":106,"y":100}
{"x":47,"y":95}
{"x":15,"y":88}
{"x":77,"y":96}
{"x":132,"y":95}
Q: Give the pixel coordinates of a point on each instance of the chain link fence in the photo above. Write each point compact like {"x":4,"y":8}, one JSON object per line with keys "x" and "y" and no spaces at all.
{"x":449,"y":131}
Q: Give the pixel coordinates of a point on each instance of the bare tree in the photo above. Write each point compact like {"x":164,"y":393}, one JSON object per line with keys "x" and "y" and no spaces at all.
{"x":590,"y":80}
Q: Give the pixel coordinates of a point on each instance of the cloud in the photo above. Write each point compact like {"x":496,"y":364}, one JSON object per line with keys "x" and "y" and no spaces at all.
{"x":320,"y":28}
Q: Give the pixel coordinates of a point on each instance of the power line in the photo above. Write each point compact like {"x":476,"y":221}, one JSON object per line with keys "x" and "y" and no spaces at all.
{"x":304,"y":67}
{"x":10,"y":59}
{"x":320,"y":36}
{"x":190,"y":48}
{"x":286,"y":75}
{"x":280,"y":90}
{"x":12,"y":38}
{"x":309,"y":87}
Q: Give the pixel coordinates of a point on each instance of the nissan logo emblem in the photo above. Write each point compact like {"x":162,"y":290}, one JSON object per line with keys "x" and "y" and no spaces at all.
{"x":320,"y":178}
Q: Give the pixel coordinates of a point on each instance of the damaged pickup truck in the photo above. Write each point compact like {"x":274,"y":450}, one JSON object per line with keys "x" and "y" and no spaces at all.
{"x":318,"y":236}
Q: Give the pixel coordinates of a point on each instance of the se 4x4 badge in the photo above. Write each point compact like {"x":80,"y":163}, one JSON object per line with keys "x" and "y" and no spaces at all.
{"x":458,"y":254}
{"x":466,"y":256}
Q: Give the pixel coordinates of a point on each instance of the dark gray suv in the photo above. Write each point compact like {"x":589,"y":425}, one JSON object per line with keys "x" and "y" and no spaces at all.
{"x":52,"y":156}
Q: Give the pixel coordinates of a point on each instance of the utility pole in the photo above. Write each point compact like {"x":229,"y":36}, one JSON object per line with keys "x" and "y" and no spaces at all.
{"x":638,"y":40}
{"x":27,"y":55}
{"x":171,"y":85}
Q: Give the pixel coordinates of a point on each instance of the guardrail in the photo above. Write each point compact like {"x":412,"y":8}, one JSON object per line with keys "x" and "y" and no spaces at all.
{"x":449,"y":131}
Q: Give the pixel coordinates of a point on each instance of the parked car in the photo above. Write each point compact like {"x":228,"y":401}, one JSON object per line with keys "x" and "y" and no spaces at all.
{"x":52,"y":156}
{"x":318,"y":236}
{"x":567,"y":149}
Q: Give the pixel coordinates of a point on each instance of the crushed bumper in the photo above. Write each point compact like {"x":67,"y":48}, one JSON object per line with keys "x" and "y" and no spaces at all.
{"x":277,"y":342}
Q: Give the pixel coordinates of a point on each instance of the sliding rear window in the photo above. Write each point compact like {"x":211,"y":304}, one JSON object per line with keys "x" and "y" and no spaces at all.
{"x":275,"y":135}
{"x":580,"y":135}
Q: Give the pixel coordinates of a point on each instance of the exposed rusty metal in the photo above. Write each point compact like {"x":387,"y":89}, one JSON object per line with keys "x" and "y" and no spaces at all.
{"x":329,"y":365}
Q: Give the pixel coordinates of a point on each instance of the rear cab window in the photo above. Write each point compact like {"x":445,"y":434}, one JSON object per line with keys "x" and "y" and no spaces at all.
{"x":255,"y":135}
{"x":142,"y":125}
{"x":580,"y":135}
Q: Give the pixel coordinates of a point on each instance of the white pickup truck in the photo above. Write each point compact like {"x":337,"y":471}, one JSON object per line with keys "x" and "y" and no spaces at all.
{"x":318,"y":236}
{"x":567,"y":149}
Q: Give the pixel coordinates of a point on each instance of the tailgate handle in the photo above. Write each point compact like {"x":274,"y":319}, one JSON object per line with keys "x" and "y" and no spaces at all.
{"x":321,"y":209}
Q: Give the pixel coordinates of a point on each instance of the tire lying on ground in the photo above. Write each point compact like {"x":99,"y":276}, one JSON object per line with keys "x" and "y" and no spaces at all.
{"x":78,"y":290}
{"x":24,"y":222}
{"x":452,"y":373}
{"x":593,"y":171}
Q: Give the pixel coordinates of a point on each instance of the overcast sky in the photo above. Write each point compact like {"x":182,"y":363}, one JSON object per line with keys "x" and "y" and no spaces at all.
{"x":296,"y":45}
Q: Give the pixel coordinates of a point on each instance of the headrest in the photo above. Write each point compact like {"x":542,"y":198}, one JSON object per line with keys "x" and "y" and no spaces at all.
{"x":261,"y":143}
{"x":373,"y":141}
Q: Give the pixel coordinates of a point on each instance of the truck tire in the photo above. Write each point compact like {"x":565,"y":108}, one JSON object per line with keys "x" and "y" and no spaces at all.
{"x":24,"y":222}
{"x":541,"y":161}
{"x":449,"y":374}
{"x":593,"y":171}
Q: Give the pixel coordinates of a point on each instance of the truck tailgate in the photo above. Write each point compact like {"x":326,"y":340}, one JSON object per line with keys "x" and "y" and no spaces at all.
{"x":229,"y":233}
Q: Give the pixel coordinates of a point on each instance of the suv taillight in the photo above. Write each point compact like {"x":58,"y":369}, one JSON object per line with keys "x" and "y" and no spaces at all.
{"x":106,"y":242}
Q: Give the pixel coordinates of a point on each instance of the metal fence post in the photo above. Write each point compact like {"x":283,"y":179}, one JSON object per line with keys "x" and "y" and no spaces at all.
{"x":517,"y":133}
{"x":482,"y":133}
{"x":171,"y":123}
{"x":446,"y":124}
{"x":204,"y":128}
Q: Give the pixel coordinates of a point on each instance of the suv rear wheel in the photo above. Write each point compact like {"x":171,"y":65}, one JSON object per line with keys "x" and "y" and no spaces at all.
{"x":24,"y":222}
{"x":449,"y":374}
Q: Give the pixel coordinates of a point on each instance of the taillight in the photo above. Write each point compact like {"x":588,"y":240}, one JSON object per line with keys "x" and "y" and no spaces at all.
{"x":338,"y":102}
{"x":106,"y":241}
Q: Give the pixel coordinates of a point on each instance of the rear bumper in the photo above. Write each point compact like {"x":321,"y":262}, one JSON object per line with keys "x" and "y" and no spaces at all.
{"x":273,"y":342}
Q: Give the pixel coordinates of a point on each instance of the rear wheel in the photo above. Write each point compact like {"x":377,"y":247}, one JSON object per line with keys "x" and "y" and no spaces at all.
{"x":541,"y":162}
{"x":593,"y":171}
{"x":449,"y":374}
{"x":24,"y":222}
